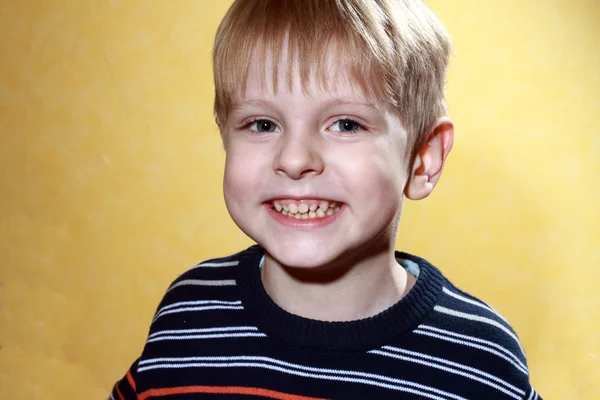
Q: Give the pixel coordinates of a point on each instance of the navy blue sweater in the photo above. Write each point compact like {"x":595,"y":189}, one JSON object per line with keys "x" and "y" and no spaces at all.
{"x":217,"y":333}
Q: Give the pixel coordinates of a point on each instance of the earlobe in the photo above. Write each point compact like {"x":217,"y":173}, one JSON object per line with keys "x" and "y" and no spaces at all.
{"x":430,"y":159}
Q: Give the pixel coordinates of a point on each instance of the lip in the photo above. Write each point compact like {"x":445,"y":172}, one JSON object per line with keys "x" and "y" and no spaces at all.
{"x":301,"y":199}
{"x":304,"y":224}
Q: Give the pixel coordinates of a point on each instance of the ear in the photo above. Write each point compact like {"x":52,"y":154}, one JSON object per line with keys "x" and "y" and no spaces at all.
{"x":430,"y":159}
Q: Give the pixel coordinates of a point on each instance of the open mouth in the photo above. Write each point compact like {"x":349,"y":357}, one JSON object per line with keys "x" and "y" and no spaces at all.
{"x":306,"y":209}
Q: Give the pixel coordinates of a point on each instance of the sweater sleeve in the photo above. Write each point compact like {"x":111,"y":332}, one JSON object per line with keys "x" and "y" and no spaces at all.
{"x":125,"y":389}
{"x":531,"y":394}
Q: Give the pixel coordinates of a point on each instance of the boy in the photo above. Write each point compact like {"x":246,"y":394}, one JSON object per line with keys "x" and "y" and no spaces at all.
{"x":331,"y":112}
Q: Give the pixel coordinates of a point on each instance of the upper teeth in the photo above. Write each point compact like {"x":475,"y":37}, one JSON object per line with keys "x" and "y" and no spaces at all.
{"x":303,"y":210}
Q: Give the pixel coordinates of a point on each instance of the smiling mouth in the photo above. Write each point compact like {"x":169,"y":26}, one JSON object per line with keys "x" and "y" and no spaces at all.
{"x":306,"y":209}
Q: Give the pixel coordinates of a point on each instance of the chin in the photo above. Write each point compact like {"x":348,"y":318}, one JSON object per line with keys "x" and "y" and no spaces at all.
{"x":304,"y":254}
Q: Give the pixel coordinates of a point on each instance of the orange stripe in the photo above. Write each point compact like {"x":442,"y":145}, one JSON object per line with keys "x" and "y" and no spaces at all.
{"x":131,"y":381}
{"x":119,"y":392}
{"x":222,"y":390}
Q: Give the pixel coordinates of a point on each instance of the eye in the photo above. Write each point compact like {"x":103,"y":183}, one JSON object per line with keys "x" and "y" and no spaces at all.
{"x":345,"y":125}
{"x":263,"y":126}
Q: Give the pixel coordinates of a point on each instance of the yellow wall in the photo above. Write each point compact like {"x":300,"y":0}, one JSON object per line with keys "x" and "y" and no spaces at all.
{"x":110,"y":181}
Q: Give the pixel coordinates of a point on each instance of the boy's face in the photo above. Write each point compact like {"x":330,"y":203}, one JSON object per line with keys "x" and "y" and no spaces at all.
{"x":335,"y":147}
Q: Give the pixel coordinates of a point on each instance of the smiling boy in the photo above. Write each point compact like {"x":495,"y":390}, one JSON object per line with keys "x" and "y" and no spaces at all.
{"x":331,"y":113}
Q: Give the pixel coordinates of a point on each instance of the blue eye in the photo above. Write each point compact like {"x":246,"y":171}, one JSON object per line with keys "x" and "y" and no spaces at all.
{"x":263,"y":126}
{"x":345,"y":125}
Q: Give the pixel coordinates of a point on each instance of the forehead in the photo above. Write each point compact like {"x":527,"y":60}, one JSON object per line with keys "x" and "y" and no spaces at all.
{"x":270,"y":78}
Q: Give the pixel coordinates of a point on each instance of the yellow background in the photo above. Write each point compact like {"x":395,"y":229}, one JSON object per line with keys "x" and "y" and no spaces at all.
{"x":111,"y":167}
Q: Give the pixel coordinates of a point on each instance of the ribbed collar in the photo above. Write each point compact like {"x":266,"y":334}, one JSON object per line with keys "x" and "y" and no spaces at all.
{"x":364,"y":334}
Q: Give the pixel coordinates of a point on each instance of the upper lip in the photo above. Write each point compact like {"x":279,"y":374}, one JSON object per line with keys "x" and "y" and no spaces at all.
{"x":300,"y":198}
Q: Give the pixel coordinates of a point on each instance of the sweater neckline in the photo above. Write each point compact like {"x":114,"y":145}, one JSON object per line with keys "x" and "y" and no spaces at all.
{"x":348,"y":336}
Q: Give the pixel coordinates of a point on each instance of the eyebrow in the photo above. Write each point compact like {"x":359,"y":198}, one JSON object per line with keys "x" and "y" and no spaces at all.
{"x":338,"y":102}
{"x":329,"y":104}
{"x":255,"y":102}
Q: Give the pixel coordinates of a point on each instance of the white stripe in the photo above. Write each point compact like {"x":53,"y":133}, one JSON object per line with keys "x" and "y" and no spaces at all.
{"x":442,"y":332}
{"x":478,"y":318}
{"x":111,"y":397}
{"x":477,"y":346}
{"x":454,"y":364}
{"x":204,"y":308}
{"x":331,"y":372}
{"x":194,"y":303}
{"x":476,"y":303}
{"x":215,"y":264}
{"x":531,"y":394}
{"x":198,"y":302}
{"x":205,"y":330}
{"x":536,"y":396}
{"x":210,"y":336}
{"x":451,"y":370}
{"x":203,"y":282}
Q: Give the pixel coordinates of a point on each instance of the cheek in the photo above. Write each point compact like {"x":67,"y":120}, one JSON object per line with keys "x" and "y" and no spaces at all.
{"x":383,"y":185}
{"x":242,"y":176}
{"x":376,"y":172}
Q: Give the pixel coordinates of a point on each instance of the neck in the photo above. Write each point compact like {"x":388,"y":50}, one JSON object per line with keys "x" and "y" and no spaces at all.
{"x":344,"y":292}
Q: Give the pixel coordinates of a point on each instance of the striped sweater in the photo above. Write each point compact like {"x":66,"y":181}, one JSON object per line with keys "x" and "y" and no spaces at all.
{"x":217,"y":332}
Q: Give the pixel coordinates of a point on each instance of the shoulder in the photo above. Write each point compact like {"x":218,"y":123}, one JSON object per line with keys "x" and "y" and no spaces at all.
{"x":460,"y":315}
{"x":470,"y":332}
{"x":461,"y":345}
{"x":469,"y":338}
{"x":208,"y":285}
{"x":203,"y":302}
{"x":211,"y":272}
{"x":469,"y":315}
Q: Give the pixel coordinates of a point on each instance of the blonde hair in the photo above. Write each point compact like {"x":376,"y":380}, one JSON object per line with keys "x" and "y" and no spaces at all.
{"x":395,"y":50}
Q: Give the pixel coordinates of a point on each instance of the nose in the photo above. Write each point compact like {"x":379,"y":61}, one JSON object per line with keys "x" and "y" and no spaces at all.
{"x":298,"y":156}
